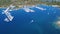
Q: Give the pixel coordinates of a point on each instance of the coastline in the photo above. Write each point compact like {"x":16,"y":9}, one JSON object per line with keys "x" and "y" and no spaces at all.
{"x":21,"y":6}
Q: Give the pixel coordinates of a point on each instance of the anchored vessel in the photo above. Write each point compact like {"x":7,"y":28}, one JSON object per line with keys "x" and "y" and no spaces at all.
{"x":8,"y":14}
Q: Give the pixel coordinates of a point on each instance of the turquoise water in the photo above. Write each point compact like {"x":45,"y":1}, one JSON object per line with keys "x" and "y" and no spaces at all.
{"x":21,"y":23}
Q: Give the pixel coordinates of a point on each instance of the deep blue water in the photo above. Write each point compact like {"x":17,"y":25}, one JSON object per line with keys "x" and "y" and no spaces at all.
{"x":21,"y":23}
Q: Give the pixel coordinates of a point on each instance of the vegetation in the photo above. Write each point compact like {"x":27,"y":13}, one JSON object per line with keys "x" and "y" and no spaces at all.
{"x":5,"y":3}
{"x":53,"y":3}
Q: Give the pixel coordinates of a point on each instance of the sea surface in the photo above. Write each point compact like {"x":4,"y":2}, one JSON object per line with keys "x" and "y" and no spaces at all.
{"x":38,"y":22}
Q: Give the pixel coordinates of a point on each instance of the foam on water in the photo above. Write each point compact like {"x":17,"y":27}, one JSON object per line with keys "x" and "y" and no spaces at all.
{"x":40,"y":8}
{"x":28,"y":10}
